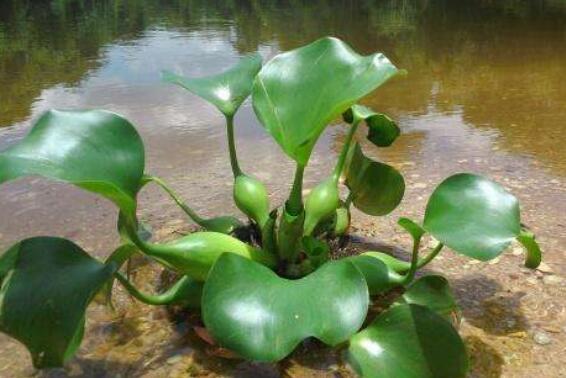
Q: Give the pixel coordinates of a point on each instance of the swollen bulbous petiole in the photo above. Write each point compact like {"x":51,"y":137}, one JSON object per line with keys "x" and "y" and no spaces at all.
{"x":251,"y":197}
{"x":321,"y":202}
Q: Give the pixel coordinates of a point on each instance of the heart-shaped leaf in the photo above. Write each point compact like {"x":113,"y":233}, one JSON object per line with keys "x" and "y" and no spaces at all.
{"x":433,"y":292}
{"x":409,"y":341}
{"x":473,"y":215}
{"x":377,"y":188}
{"x":47,"y":284}
{"x":94,"y":149}
{"x":299,"y":92}
{"x":252,"y":311}
{"x":228,"y":90}
{"x":382,"y":130}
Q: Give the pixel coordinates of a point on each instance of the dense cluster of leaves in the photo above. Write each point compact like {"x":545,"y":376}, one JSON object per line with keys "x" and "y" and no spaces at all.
{"x":262,"y":298}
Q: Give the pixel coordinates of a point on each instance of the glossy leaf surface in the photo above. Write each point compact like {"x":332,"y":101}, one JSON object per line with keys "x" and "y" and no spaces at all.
{"x":224,"y":224}
{"x":262,"y":317}
{"x":195,"y":254}
{"x":47,"y":283}
{"x":408,"y":341}
{"x":250,"y":195}
{"x":321,"y":203}
{"x":96,"y":150}
{"x":473,"y":215}
{"x":433,"y":292}
{"x":379,"y":277}
{"x":228,"y":90}
{"x":299,"y":92}
{"x":398,"y":266}
{"x":377,"y":188}
{"x":382,"y":130}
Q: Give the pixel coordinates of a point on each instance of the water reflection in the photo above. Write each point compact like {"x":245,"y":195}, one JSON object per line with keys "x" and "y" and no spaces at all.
{"x":500,"y":63}
{"x":484,"y":77}
{"x":486,"y":92}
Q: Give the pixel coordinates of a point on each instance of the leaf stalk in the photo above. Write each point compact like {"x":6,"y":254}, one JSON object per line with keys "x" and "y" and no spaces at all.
{"x":170,"y":296}
{"x":428,"y":258}
{"x":232,"y":145}
{"x":294,"y":204}
{"x":339,"y":168}
{"x":410,"y":276}
{"x":190,"y":212}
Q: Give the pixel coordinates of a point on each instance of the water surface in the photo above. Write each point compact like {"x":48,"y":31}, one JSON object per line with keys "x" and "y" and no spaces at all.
{"x":485,"y":78}
{"x":486,"y":92}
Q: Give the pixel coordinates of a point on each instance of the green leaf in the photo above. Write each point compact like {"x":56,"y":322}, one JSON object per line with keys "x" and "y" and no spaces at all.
{"x":377,"y":188}
{"x":433,"y":292}
{"x":250,"y":310}
{"x":195,"y":254}
{"x":228,"y":90}
{"x":225,"y":224}
{"x":413,"y":228}
{"x":47,"y":284}
{"x":378,"y":275}
{"x":382,"y":130}
{"x":408,"y":341}
{"x":396,"y":265}
{"x":473,"y":215}
{"x":94,"y":149}
{"x":299,"y":92}
{"x":534,"y":254}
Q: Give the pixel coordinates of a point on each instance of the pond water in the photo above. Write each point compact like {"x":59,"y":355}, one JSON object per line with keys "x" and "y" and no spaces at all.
{"x":486,"y":92}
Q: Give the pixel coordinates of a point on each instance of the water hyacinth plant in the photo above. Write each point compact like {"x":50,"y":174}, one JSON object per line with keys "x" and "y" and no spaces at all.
{"x":262,"y":296}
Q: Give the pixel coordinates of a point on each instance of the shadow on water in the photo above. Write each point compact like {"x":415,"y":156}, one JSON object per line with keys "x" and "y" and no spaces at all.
{"x":485,"y":305}
{"x":485,"y":361}
{"x":483,"y":300}
{"x":500,"y":67}
{"x":483,"y":75}
{"x":91,"y":368}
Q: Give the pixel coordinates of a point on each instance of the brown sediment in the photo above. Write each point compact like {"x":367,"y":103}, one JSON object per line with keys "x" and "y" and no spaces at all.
{"x":487,"y":97}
